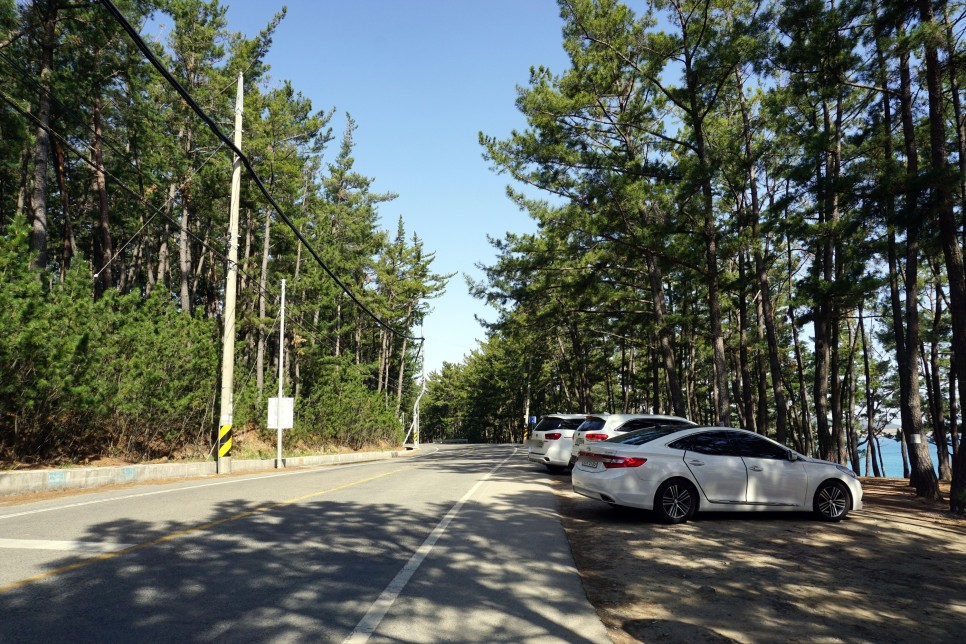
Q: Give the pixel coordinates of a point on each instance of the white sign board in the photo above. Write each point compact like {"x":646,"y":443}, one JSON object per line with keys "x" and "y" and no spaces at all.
{"x":283,"y":418}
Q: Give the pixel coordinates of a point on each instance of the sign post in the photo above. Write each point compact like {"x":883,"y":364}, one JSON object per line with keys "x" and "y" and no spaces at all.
{"x":279,"y":462}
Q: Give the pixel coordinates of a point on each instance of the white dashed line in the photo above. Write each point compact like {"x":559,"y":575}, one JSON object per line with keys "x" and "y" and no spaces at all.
{"x":69,"y":546}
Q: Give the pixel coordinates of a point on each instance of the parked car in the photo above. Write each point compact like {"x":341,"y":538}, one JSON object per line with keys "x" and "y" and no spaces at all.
{"x":676,"y":472}
{"x":551,"y":440}
{"x":604,"y":426}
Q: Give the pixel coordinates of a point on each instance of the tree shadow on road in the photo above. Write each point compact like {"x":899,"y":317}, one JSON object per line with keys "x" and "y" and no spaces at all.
{"x":307,"y":570}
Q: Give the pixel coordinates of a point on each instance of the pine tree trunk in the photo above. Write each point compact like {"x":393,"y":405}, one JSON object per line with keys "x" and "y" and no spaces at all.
{"x":799,"y":361}
{"x":665,"y":338}
{"x":935,"y":389}
{"x":184,"y":257}
{"x":262,"y":285}
{"x":104,"y":245}
{"x":163,"y":248}
{"x":869,"y":399}
{"x":383,"y":360}
{"x":695,"y":116}
{"x":69,"y":245}
{"x":761,"y":273}
{"x":953,"y":59}
{"x":747,"y":400}
{"x":38,"y":200}
{"x":850,"y":386}
{"x":952,"y":252}
{"x":338,"y":326}
{"x":821,"y":322}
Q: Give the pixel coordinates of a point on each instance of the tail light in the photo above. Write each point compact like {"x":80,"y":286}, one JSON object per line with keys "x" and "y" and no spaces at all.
{"x":596,"y":437}
{"x":553,"y":436}
{"x":612,"y":462}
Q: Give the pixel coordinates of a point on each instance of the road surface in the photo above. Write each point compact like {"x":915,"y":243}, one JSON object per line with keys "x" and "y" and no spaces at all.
{"x":458,"y":545}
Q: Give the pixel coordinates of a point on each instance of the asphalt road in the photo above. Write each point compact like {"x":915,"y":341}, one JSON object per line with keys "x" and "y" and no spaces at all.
{"x":455,"y":545}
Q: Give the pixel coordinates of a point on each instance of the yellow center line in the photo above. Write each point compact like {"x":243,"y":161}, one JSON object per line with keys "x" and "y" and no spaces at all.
{"x":181,"y":533}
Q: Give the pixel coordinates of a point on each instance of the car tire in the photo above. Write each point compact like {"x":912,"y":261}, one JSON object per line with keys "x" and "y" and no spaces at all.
{"x":676,"y":501}
{"x":832,"y":501}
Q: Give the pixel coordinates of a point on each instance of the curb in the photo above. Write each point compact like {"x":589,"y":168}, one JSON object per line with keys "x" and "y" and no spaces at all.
{"x":24,"y":482}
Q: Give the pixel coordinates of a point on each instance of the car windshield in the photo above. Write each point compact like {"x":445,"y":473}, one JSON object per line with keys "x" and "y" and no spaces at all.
{"x":591,"y":425}
{"x":642,"y":436}
{"x":547,"y":424}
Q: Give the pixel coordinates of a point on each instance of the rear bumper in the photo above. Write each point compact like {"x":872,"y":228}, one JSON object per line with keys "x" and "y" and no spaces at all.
{"x":553,"y":453}
{"x":615,"y":486}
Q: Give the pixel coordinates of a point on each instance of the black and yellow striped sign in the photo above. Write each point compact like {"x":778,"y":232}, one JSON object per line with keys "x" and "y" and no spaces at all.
{"x":224,"y":441}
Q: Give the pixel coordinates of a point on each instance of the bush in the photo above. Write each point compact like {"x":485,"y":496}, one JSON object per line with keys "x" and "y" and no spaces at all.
{"x":80,"y":379}
{"x":342,"y":410}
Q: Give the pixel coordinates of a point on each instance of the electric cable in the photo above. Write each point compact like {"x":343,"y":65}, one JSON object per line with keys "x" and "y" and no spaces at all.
{"x":25,"y":76}
{"x":141,"y":45}
{"x":158,"y":210}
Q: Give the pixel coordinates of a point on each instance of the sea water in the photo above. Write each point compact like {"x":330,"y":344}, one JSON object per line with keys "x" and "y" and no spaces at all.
{"x":892,"y":457}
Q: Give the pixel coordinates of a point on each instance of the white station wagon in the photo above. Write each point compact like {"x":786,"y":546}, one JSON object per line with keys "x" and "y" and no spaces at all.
{"x":550,"y":442}
{"x":604,"y":426}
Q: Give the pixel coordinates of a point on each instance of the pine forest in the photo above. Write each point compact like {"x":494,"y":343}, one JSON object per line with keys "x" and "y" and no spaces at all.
{"x":115,"y":198}
{"x":748,"y":213}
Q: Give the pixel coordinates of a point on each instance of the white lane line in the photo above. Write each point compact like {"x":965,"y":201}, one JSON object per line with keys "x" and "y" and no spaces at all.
{"x":70,"y":546}
{"x":370,"y":622}
{"x":125,"y":497}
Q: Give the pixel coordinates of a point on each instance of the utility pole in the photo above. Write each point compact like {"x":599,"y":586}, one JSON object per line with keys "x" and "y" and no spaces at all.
{"x":228,"y":316}
{"x":422,"y":389}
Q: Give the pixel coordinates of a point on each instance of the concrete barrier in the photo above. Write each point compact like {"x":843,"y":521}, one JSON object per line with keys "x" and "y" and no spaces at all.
{"x":73,"y":478}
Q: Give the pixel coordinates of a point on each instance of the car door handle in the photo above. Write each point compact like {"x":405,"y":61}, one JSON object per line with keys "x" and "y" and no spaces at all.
{"x":695,"y":462}
{"x":756,"y":468}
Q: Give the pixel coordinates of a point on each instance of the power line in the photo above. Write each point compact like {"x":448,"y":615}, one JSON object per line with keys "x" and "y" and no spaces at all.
{"x":26,"y":76}
{"x":310,"y":329}
{"x":301,"y":324}
{"x":72,"y":115}
{"x":141,"y":45}
{"x":158,"y":210}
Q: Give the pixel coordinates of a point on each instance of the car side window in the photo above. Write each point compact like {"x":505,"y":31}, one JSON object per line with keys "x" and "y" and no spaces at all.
{"x":681,"y":443}
{"x":715,"y":443}
{"x":757,"y":447}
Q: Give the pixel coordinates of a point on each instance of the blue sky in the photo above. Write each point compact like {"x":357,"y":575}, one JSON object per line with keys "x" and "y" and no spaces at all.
{"x":422,"y":78}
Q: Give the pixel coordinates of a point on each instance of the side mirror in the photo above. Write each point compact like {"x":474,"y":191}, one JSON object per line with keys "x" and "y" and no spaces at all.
{"x":792,"y":456}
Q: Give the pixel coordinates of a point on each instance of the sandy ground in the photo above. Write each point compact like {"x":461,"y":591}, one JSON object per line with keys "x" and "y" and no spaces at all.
{"x":894,"y":572}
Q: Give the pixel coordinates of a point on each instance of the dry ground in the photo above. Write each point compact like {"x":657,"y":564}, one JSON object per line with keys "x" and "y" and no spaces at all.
{"x":894,"y":572}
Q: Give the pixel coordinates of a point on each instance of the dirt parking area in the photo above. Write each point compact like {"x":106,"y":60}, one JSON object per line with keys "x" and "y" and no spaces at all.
{"x":894,"y":572}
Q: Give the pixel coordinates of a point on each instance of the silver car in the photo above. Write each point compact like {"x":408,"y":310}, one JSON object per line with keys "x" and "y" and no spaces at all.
{"x":677,"y":472}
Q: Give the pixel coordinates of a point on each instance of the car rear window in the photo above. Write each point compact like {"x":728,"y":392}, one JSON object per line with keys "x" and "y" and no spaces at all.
{"x":591,"y":425}
{"x":547,"y":424}
{"x":642,"y":436}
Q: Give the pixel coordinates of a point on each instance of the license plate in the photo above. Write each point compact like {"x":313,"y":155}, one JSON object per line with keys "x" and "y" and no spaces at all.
{"x":590,"y":464}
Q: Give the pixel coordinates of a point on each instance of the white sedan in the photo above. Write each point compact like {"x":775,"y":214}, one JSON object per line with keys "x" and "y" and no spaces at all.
{"x":676,"y":472}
